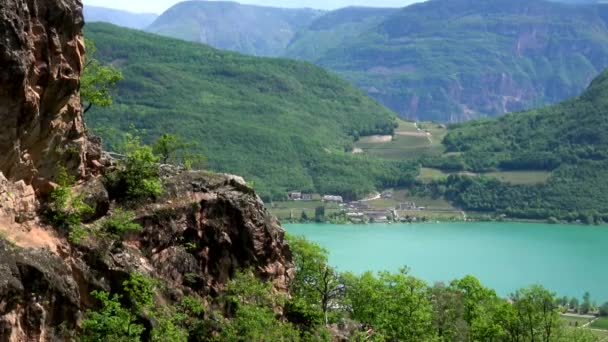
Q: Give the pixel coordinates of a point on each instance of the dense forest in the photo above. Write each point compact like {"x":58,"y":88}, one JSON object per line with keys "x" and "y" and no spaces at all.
{"x":284,"y":125}
{"x":567,"y":139}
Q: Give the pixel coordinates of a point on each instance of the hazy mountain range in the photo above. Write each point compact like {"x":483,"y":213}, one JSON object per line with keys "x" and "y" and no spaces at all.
{"x":440,"y":60}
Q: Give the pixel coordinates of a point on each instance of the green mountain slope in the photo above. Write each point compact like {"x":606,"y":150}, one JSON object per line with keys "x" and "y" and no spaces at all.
{"x":568,"y":139}
{"x":283,"y":124}
{"x":118,"y":17}
{"x":463,"y":59}
{"x":254,"y":30}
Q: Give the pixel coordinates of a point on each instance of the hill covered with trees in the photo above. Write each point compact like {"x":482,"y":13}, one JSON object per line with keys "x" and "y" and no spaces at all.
{"x":282,"y":124}
{"x":567,"y":139}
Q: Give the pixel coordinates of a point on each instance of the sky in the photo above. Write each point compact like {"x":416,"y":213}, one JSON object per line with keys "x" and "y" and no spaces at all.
{"x":159,"y":6}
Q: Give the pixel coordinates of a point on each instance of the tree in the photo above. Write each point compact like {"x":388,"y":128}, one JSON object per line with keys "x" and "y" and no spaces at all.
{"x":448,"y":313}
{"x":250,"y":303}
{"x":537,"y":313}
{"x":304,"y":216}
{"x":604,"y":309}
{"x":395,"y":304}
{"x":98,"y":80}
{"x":112,"y":322}
{"x":167,"y":146}
{"x":586,"y":306}
{"x":574,"y":304}
{"x":484,"y":312}
{"x":320,"y":214}
{"x":316,"y":283}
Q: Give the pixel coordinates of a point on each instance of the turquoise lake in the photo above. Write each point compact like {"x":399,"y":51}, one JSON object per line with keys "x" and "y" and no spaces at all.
{"x":568,"y":260}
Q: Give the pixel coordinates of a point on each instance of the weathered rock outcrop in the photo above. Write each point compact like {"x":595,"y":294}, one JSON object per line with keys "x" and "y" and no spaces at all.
{"x":41,"y":59}
{"x":204,"y":229}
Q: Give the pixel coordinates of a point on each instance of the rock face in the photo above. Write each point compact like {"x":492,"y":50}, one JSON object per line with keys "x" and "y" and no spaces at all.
{"x":214,"y":226}
{"x":41,"y":59}
{"x":204,"y":229}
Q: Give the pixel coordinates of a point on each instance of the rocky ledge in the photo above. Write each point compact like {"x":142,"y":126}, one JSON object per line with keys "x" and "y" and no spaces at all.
{"x":205,"y":228}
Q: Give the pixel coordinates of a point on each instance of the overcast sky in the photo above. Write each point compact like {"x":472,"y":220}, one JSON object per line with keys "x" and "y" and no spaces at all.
{"x":159,"y":6}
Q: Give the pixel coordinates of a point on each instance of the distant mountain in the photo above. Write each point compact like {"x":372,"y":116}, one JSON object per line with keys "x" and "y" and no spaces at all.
{"x":283,"y":124}
{"x":443,"y":60}
{"x":118,"y":17}
{"x":334,"y":29}
{"x":254,"y":30}
{"x":454,"y":60}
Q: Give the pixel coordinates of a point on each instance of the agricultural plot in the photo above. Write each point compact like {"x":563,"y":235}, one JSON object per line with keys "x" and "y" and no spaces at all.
{"x":411,"y":140}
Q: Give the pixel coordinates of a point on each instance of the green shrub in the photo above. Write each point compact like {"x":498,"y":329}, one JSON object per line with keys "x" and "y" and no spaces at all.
{"x":112,"y":322}
{"x":138,"y":177}
{"x":65,"y":209}
{"x":121,"y":223}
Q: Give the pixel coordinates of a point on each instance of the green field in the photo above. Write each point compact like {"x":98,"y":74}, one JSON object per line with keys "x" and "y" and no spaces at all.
{"x":520,"y":177}
{"x":408,"y":142}
{"x":511,"y":177}
{"x":433,"y":215}
{"x":575,"y":321}
{"x":601,"y":323}
{"x":429,"y":174}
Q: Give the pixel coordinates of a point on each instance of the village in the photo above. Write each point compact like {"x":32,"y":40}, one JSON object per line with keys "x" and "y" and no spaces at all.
{"x":386,"y":207}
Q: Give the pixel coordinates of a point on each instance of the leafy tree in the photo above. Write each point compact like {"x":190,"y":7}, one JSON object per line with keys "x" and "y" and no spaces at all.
{"x":480,"y":308}
{"x":112,"y":322}
{"x":604,"y":309}
{"x":574,"y":304}
{"x":316,"y":283}
{"x":586,"y":305}
{"x":98,"y":80}
{"x":320,"y":214}
{"x":252,"y":318}
{"x":395,"y":305}
{"x":167,"y":147}
{"x":537,"y":313}
{"x":448,"y":313}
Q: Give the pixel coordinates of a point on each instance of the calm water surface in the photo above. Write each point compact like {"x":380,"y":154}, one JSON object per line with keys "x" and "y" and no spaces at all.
{"x":568,"y":260}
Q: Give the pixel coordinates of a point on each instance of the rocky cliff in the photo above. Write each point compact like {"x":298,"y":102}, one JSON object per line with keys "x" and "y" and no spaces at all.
{"x":203,"y":229}
{"x":41,"y":54}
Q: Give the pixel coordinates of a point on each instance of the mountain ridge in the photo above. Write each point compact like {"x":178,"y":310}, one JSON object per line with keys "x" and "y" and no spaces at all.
{"x":119,"y":17}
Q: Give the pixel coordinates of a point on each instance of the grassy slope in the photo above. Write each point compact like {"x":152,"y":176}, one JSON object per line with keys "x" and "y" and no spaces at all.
{"x":460,"y":59}
{"x":255,"y":30}
{"x":280,"y":123}
{"x":567,"y":139}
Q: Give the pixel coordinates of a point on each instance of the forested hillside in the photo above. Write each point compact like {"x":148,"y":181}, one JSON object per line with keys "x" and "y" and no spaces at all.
{"x":568,"y":139}
{"x":282,"y":124}
{"x":253,"y":30}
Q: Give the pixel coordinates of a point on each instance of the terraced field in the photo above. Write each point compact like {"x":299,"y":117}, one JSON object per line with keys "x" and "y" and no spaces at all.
{"x":410,"y":141}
